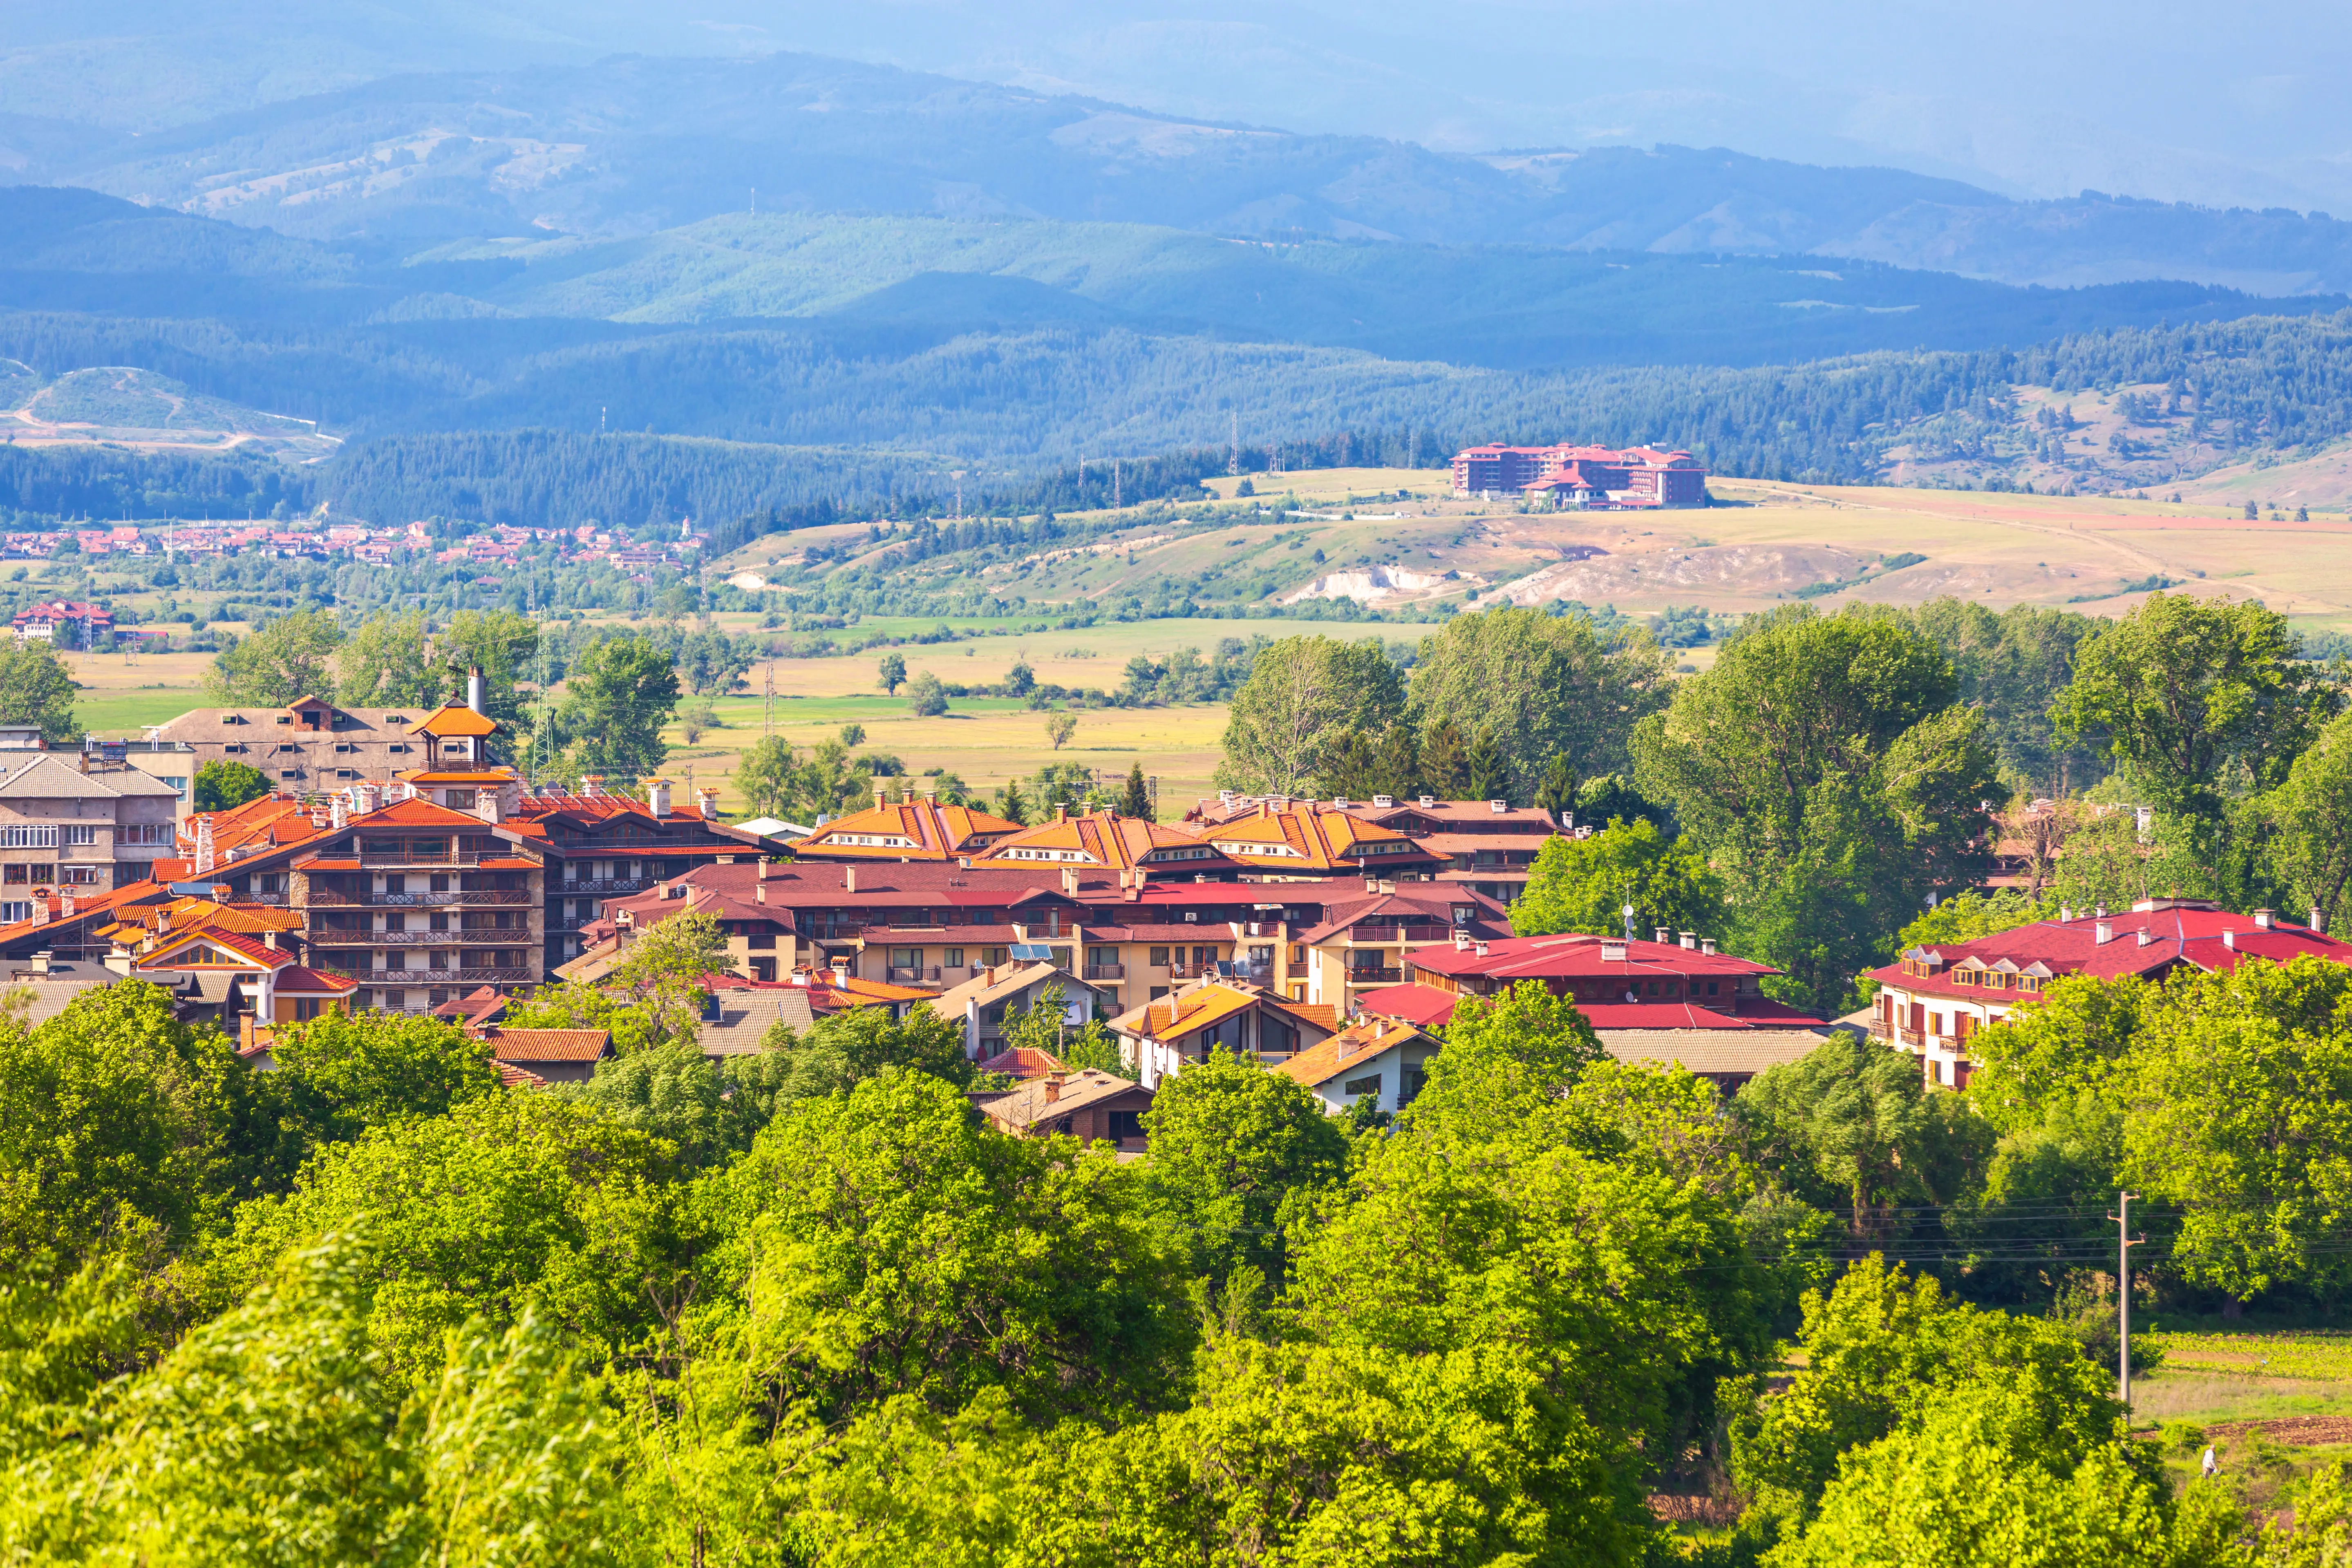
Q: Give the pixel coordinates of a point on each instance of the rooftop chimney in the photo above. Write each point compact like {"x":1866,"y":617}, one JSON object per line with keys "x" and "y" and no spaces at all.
{"x":2266,"y":918}
{"x":2230,"y":940}
{"x":657,"y":795}
{"x":338,"y":811}
{"x":486,"y":807}
{"x":2318,"y":919}
{"x":849,"y":879}
{"x":1665,"y":934}
{"x":706,"y":802}
{"x":2102,"y":934}
{"x":1053,"y":1088}
{"x":1482,"y":949}
{"x":1690,"y":940}
{"x":1461,"y":940}
{"x":1070,"y":880}
{"x":1498,"y":806}
{"x":475,"y":697}
{"x":591,"y":786}
{"x":881,"y":796}
{"x":1707,"y":945}
{"x":2146,"y":936}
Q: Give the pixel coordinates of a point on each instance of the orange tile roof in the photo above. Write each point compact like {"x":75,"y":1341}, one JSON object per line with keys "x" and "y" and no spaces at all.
{"x":1308,"y":836}
{"x":245,"y":947}
{"x":916,"y":830}
{"x":461,"y":776}
{"x":456,"y":719}
{"x":1100,"y":838}
{"x":1205,"y":1007}
{"x":547,"y":1045}
{"x":1327,"y":1059}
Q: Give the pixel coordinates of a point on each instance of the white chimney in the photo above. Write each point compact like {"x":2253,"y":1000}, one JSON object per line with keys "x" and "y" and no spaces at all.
{"x":1707,"y":945}
{"x":486,"y":807}
{"x":1461,"y":940}
{"x":1482,"y":949}
{"x":706,"y":802}
{"x":657,"y":795}
{"x":2146,"y":936}
{"x":2102,"y":934}
{"x":2230,"y":940}
{"x":1665,"y":935}
{"x":338,"y":810}
{"x":1498,"y":806}
{"x":2318,"y":919}
{"x":849,"y":879}
{"x":2266,"y":918}
{"x":1690,"y":940}
{"x":477,"y":697}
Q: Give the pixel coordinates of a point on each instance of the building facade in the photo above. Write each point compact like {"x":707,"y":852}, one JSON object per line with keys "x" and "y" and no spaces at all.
{"x":1582,"y":475}
{"x":76,"y":825}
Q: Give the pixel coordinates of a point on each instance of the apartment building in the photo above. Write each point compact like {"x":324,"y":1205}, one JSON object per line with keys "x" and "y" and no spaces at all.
{"x":1931,"y":1001}
{"x":1489,"y":846}
{"x":1576,"y":476}
{"x":1277,"y":838}
{"x":313,"y":746}
{"x":1366,"y":942}
{"x":76,"y":825}
{"x":1161,"y":1037}
{"x":909,"y":828}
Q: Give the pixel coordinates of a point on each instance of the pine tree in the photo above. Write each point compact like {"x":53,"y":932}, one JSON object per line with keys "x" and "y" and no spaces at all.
{"x":1490,"y":770}
{"x":1010,"y":806}
{"x":1136,"y":801}
{"x":1444,"y":767}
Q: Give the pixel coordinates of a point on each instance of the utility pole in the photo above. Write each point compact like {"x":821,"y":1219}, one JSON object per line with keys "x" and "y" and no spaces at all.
{"x":959,"y":510}
{"x":2125,"y":1242}
{"x":768,"y":690}
{"x":1234,"y":461}
{"x":1114,"y":484}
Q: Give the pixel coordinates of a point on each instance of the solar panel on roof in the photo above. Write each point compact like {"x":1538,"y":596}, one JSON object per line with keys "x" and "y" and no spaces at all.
{"x":1032,"y":953}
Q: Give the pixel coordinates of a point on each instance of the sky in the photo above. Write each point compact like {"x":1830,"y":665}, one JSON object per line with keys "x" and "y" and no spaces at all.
{"x":2224,"y":106}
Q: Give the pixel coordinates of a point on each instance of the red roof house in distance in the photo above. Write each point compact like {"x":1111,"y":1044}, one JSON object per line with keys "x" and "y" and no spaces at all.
{"x":1582,"y":475}
{"x":1666,"y":1001}
{"x":1930,"y":1000}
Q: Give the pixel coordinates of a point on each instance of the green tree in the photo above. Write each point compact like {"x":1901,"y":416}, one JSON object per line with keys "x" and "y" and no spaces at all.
{"x":1010,"y":806}
{"x":1020,"y":680}
{"x":617,"y":696}
{"x":897,"y":1244}
{"x":1302,"y":693}
{"x":925,"y":697}
{"x":852,"y":735}
{"x":1556,"y":791}
{"x":2310,"y":815}
{"x":1583,"y":884}
{"x":1483,"y":758}
{"x":338,"y":1075}
{"x":501,"y":644}
{"x":1852,"y":1124}
{"x":120,"y":1127}
{"x":511,"y":1201}
{"x":764,"y":777}
{"x":284,"y":662}
{"x":1506,"y":1057}
{"x":1539,"y":686}
{"x":850,"y":1047}
{"x":1060,"y":726}
{"x":1135,"y":800}
{"x":1973,"y":916}
{"x":387,"y":662}
{"x":674,"y":1092}
{"x":891,"y":674}
{"x":1445,"y":760}
{"x":34,"y":689}
{"x":1826,"y":772}
{"x":1235,"y":1150}
{"x":224,"y":785}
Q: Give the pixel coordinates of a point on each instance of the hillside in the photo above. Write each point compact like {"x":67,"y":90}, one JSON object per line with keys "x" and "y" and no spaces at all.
{"x":144,"y":411}
{"x":632,"y":146}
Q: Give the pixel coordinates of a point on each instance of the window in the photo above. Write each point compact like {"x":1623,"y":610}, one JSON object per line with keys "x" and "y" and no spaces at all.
{"x":954,"y":958}
{"x":178,"y":784}
{"x":395,"y":1000}
{"x":757,"y":941}
{"x":1159,"y":958}
{"x":235,"y":747}
{"x":81,"y":835}
{"x":293,"y":746}
{"x":437,"y":920}
{"x":28,"y":836}
{"x":905,"y":958}
{"x":15,"y":912}
{"x":1158,"y":992}
{"x":150,"y":833}
{"x":286,"y":717}
{"x":1362,"y":1085}
{"x":993,"y":956}
{"x":1126,"y":1124}
{"x":764,"y":970}
{"x":458,"y":799}
{"x":396,"y":920}
{"x":1099,"y":957}
{"x":81,"y":876}
{"x":305,"y":1009}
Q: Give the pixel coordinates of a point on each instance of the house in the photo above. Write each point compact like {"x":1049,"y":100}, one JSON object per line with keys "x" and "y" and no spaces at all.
{"x":1931,"y":1000}
{"x":78,"y":827}
{"x":1486,"y":844}
{"x":981,"y":1002}
{"x":1091,"y":1106}
{"x":1103,"y":841}
{"x":904,"y":829}
{"x":309,"y":746}
{"x":747,"y":1013}
{"x":1668,"y":1000}
{"x":66,"y":622}
{"x":1277,"y":838}
{"x":1381,"y":1059}
{"x":1223,"y":1015}
{"x":1364,"y":941}
{"x":753,"y":929}
{"x":551,"y":1056}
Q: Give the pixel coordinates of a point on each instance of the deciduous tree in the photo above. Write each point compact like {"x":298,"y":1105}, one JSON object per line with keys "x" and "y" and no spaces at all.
{"x":1303,"y":693}
{"x":284,"y":662}
{"x":1583,"y":884}
{"x":34,"y":689}
{"x":617,"y":696}
{"x":1537,"y":687}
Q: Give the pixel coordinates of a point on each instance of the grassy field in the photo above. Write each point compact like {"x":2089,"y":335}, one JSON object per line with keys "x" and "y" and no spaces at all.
{"x":2274,"y":1405}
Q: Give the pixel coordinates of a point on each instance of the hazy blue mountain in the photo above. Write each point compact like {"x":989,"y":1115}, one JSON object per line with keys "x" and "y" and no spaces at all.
{"x":637,"y":146}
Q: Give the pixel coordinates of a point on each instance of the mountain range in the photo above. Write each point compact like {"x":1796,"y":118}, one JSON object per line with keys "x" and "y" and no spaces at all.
{"x":637,"y":145}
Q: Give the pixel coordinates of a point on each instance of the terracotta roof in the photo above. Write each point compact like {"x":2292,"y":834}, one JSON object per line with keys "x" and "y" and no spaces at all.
{"x":917,"y":829}
{"x":1004,"y":980}
{"x":1309,"y":837}
{"x":242,"y":947}
{"x":513,"y":1076}
{"x":746,"y":1013}
{"x":477,"y":1007}
{"x":1636,"y":1016}
{"x":1414,"y":903}
{"x":547,"y":1045}
{"x":2177,"y":933}
{"x":1423,"y":1006}
{"x":1025,"y":1105}
{"x":456,"y":719}
{"x":1023,"y":1062}
{"x":1576,"y":955}
{"x":1346,"y":1050}
{"x":1107,"y":841}
{"x":1206,"y":1005}
{"x":302,"y":979}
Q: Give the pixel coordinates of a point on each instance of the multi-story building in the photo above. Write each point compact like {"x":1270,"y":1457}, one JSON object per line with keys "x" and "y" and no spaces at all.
{"x":1277,"y":838}
{"x":1672,"y":1000}
{"x":1160,"y":1038}
{"x":907,"y":828}
{"x":1582,"y":475}
{"x":1384,"y":1060}
{"x":77,"y":826}
{"x":1930,"y":1000}
{"x":1488,"y":845}
{"x":66,"y":622}
{"x":1103,"y":841}
{"x":313,"y":746}
{"x":1365,"y":943}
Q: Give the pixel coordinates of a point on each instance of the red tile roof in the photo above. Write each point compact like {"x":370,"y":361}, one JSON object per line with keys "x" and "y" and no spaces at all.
{"x":547,"y":1045}
{"x":1580,"y":956}
{"x":1423,"y":1006}
{"x":2175,"y":933}
{"x":918,"y":830}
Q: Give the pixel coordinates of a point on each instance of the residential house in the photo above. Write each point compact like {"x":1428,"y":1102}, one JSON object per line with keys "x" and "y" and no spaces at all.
{"x":905,"y":829}
{"x":551,"y":1056}
{"x":1489,"y":846}
{"x":1091,"y":1106}
{"x":1278,"y":838}
{"x":1103,"y":841}
{"x":1223,"y":1015}
{"x":1668,"y":1000}
{"x":1930,"y":1000}
{"x":1365,"y":942}
{"x":78,"y":827}
{"x":66,"y":622}
{"x":1382,"y":1061}
{"x":310,"y":746}
{"x":981,"y":1002}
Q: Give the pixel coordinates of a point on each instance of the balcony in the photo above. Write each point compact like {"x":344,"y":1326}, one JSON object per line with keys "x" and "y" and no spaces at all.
{"x":331,"y":937}
{"x":912,"y":974}
{"x":325,"y":898}
{"x":1381,"y":974}
{"x":1106,"y":972}
{"x":1383,"y":935}
{"x":372,"y":858}
{"x":412,"y":979}
{"x":602,"y":885}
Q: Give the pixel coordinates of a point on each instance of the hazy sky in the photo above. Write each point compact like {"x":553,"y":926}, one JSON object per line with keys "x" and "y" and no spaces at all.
{"x":2240,"y":104}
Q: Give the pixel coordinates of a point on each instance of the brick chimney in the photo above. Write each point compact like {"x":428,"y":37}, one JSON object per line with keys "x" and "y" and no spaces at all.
{"x":706,"y":802}
{"x":2318,"y":919}
{"x":1053,"y":1088}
